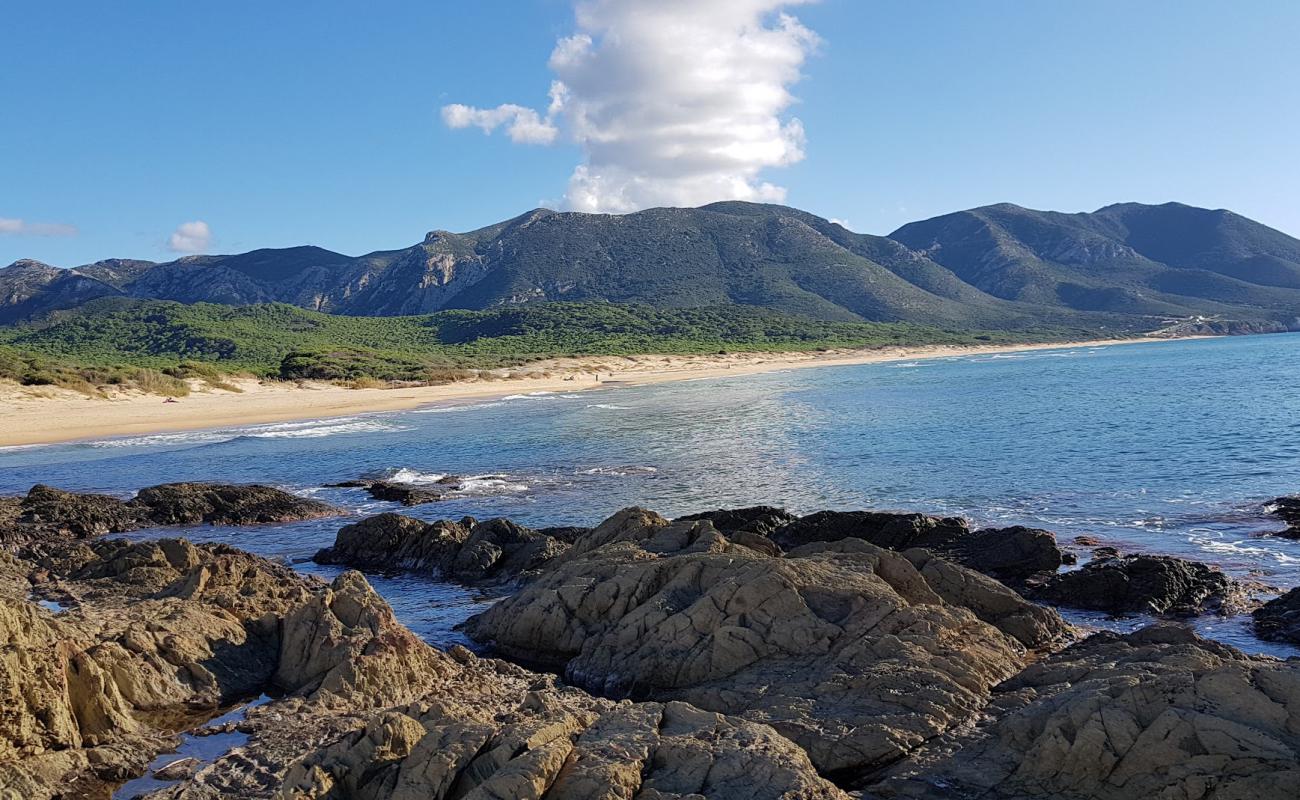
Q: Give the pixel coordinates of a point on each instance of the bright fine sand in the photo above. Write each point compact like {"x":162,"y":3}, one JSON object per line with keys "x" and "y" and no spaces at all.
{"x":39,"y":415}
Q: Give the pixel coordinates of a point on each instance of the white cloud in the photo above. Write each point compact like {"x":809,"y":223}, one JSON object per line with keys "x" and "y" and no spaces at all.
{"x":190,"y":237}
{"x":19,"y":227}
{"x":675,"y":102}
{"x":523,"y":125}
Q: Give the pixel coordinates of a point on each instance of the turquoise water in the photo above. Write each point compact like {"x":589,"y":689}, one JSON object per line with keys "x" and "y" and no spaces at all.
{"x":1162,"y":447}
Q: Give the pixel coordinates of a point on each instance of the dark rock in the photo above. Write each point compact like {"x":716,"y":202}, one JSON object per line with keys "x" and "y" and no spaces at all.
{"x":1145,"y":584}
{"x":494,"y":550}
{"x":567,"y":534}
{"x":1015,"y":552}
{"x":413,"y":494}
{"x":1279,"y":619}
{"x":405,"y":493}
{"x":1006,"y":553}
{"x":47,"y":514}
{"x":883,"y":529}
{"x":225,"y":504}
{"x":762,"y":520}
{"x":80,"y":515}
{"x":1287,"y":509}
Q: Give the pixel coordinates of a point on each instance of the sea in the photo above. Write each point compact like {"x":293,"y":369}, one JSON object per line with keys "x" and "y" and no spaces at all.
{"x":1163,"y":447}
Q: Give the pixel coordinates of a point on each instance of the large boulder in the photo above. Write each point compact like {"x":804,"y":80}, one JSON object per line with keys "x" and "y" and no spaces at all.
{"x":46,"y":514}
{"x":1159,"y":713}
{"x":844,"y":647}
{"x":225,"y":504}
{"x":1013,"y":554}
{"x":1278,"y":620}
{"x":882,"y":528}
{"x":1145,"y":584}
{"x":762,"y":520}
{"x":470,"y":551}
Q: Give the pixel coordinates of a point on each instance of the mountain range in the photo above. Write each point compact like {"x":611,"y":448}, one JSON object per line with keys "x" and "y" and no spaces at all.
{"x":1127,"y":266}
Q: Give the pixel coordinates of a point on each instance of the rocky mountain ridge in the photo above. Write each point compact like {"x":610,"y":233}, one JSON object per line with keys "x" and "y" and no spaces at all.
{"x":999,"y":266}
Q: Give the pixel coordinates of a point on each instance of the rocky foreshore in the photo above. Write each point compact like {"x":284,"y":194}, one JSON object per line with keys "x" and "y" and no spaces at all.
{"x":733,"y":654}
{"x":45,"y":513}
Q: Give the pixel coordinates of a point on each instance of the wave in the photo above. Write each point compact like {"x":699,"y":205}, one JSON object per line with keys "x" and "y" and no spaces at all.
{"x":531,"y":396}
{"x":408,"y":475}
{"x":312,"y":429}
{"x":458,"y":407}
{"x":456,"y":485}
{"x":623,"y":471}
{"x":609,"y":407}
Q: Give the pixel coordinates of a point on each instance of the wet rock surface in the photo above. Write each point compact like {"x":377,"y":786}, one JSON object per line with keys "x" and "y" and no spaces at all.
{"x":414,"y":494}
{"x":844,"y":647}
{"x":1278,"y":620}
{"x":469,"y":551}
{"x":1145,"y":584}
{"x":46,"y":513}
{"x":1159,"y":713}
{"x":1287,"y":509}
{"x":225,"y":504}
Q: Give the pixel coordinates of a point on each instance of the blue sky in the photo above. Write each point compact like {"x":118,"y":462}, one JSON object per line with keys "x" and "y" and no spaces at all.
{"x":285,"y":123}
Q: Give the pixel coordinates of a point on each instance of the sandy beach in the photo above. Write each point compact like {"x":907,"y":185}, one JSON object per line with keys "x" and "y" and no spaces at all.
{"x":43,"y":415}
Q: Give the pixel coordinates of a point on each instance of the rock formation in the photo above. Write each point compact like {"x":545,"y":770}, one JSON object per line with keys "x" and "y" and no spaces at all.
{"x":158,"y":634}
{"x":1145,"y":584}
{"x":1012,"y":553}
{"x":1279,"y":619}
{"x":413,"y":494}
{"x":843,"y":647}
{"x":224,"y":504}
{"x":1159,"y":713}
{"x":468,"y":551}
{"x":46,"y":513}
{"x":1287,"y":509}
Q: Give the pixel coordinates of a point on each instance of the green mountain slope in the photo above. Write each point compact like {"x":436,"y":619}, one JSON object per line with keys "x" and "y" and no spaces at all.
{"x":1124,"y":267}
{"x":1169,"y":260}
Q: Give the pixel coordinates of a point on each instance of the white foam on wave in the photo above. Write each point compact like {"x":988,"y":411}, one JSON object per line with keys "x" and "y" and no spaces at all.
{"x":408,"y":475}
{"x":464,"y":486}
{"x":633,"y":469}
{"x":311,"y":429}
{"x":532,"y":396}
{"x":609,"y":407}
{"x":458,"y":407}
{"x":489,"y":484}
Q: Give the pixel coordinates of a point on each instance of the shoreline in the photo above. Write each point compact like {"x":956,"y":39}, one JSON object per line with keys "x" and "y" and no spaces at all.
{"x":41,"y":416}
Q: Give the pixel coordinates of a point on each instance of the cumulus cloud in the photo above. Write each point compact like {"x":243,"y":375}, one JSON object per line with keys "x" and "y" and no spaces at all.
{"x":20,"y":227}
{"x":190,"y":237}
{"x":523,"y":125}
{"x":675,"y":102}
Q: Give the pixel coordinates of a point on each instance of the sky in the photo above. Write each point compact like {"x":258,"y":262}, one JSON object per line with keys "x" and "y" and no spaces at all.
{"x":158,"y":129}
